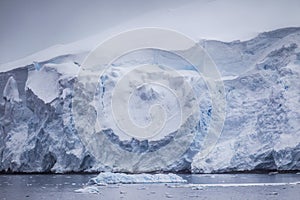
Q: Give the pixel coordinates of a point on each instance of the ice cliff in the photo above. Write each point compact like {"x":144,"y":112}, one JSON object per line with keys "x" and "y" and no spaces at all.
{"x":261,"y":130}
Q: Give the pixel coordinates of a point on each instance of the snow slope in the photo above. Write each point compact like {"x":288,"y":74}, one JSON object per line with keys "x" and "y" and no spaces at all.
{"x":261,"y":131}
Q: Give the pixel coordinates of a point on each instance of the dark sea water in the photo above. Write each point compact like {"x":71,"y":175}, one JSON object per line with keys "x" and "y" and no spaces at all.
{"x":216,"y":186}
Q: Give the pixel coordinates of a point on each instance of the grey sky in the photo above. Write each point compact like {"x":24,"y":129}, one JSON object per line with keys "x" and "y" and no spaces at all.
{"x":28,"y":26}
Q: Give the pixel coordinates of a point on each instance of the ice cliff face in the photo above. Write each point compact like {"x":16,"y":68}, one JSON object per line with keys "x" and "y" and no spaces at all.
{"x":261,"y":131}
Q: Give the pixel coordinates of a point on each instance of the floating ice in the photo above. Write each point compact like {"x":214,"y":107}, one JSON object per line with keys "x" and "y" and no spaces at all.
{"x":114,"y":178}
{"x":202,"y":186}
{"x":88,"y":189}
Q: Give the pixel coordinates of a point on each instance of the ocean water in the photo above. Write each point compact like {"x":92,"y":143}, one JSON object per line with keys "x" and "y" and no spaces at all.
{"x":207,"y":186}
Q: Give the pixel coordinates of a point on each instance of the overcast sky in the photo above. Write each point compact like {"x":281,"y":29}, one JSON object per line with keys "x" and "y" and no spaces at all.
{"x":28,"y":26}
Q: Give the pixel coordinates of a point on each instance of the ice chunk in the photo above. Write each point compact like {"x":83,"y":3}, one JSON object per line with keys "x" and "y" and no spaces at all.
{"x":44,"y":83}
{"x":11,"y":92}
{"x":36,"y":65}
{"x":88,"y":189}
{"x":113,"y":178}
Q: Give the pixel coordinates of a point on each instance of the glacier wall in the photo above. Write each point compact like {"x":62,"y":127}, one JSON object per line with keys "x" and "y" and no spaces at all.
{"x":261,"y":131}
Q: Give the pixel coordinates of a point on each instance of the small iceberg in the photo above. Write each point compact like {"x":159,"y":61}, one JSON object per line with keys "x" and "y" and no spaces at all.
{"x":89,"y":190}
{"x":114,"y":178}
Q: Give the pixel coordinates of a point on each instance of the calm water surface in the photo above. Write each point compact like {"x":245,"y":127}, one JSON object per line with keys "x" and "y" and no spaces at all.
{"x":208,"y":187}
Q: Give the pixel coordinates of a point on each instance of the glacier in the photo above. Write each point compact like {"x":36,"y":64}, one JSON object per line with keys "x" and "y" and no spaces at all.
{"x":261,"y":130}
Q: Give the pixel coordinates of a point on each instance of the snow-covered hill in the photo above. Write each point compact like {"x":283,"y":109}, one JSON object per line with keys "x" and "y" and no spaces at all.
{"x":261,"y":131}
